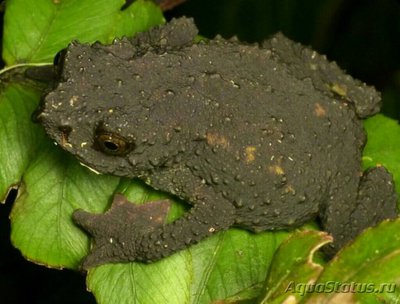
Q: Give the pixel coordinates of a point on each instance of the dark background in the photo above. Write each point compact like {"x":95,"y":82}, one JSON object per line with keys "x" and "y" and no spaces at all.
{"x":362,"y":36}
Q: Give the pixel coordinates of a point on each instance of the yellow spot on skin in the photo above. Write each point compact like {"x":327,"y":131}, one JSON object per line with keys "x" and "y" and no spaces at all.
{"x":249,"y":154}
{"x":73,"y":100}
{"x":276,"y":169}
{"x":341,"y":90}
{"x":319,"y":110}
{"x":290,"y":189}
{"x":214,"y":139}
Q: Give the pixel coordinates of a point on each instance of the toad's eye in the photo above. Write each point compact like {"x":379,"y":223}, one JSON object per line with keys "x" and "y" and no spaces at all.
{"x":112,"y":144}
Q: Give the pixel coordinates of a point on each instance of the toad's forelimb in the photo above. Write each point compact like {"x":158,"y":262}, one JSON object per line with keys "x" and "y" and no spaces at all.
{"x":129,"y":232}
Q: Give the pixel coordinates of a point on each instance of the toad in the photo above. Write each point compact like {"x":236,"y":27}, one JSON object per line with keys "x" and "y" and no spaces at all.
{"x":258,"y":136}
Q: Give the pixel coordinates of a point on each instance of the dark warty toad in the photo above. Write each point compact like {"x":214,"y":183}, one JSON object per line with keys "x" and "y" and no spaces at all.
{"x":261,"y":137}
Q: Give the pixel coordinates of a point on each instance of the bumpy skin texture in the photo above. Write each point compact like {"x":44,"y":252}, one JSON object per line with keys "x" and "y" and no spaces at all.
{"x":260,"y":137}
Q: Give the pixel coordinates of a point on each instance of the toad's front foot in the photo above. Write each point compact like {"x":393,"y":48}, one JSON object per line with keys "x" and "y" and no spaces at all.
{"x":117,"y":231}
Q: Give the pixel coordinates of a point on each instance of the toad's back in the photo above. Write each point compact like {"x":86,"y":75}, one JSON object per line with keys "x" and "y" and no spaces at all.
{"x":272,"y":144}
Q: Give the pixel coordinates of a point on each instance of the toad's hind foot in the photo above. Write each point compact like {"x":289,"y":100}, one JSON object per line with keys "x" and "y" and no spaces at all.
{"x":376,"y":201}
{"x":115,"y":231}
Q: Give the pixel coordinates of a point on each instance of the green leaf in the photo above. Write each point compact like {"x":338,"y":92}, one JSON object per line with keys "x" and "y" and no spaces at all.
{"x":54,"y":186}
{"x":34,"y":31}
{"x":292,"y":264}
{"x":167,"y":281}
{"x":19,"y":137}
{"x":383,"y":145}
{"x":231,"y":262}
{"x":373,"y":259}
{"x":368,"y":266}
{"x":217,"y":268}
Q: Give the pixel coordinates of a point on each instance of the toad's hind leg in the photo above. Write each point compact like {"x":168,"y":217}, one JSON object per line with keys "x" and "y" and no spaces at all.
{"x":372,"y":199}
